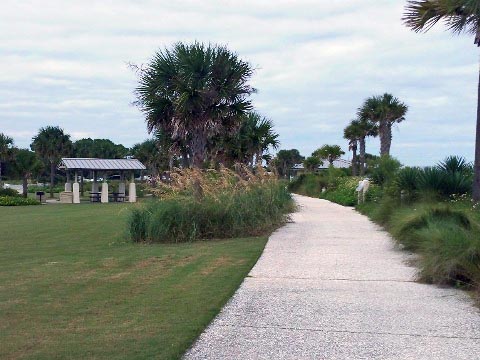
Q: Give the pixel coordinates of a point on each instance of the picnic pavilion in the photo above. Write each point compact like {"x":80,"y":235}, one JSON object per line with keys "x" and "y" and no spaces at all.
{"x":125,"y":167}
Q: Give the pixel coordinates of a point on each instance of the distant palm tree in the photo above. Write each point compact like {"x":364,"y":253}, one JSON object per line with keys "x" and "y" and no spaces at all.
{"x":193,"y":93}
{"x":329,"y":153}
{"x":312,"y":163}
{"x":260,"y":136}
{"x":26,"y":164}
{"x":6,"y":144}
{"x":362,"y":129}
{"x":51,"y":143}
{"x":384,"y":110}
{"x":352,"y":134}
{"x":460,"y":16}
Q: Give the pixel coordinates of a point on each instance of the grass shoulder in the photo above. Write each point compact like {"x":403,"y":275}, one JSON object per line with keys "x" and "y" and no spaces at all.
{"x":73,"y":286}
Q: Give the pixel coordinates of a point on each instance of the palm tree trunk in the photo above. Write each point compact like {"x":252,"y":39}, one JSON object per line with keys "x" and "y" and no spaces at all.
{"x":354,"y":160}
{"x":199,"y":148}
{"x":362,"y":156}
{"x":52,"y":177}
{"x":476,"y":179}
{"x":385,"y":133}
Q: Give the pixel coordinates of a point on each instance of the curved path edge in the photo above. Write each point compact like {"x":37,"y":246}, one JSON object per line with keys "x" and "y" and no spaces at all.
{"x":331,"y":285}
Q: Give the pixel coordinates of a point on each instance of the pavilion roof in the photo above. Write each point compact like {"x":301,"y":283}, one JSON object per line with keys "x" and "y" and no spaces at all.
{"x":100,"y":164}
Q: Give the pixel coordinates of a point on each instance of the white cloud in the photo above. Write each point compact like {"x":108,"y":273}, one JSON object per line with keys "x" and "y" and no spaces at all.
{"x":65,"y":63}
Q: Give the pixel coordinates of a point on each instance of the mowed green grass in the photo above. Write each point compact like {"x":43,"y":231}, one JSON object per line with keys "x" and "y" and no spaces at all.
{"x":72,"y":286}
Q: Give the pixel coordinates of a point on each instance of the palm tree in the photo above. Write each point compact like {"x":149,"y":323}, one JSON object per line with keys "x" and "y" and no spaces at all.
{"x":26,"y":164}
{"x":193,"y":93}
{"x":362,"y":129}
{"x":259,"y":136}
{"x":460,"y":16}
{"x":312,"y":163}
{"x":285,"y":160}
{"x":352,"y":134}
{"x":51,"y":143}
{"x":6,"y":144}
{"x":384,"y":110}
{"x":329,"y":152}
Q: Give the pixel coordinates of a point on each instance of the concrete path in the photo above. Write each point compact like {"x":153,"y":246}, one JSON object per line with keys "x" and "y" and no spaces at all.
{"x":330,"y":285}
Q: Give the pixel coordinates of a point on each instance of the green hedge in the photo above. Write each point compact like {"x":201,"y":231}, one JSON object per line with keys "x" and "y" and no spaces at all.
{"x":17,"y":201}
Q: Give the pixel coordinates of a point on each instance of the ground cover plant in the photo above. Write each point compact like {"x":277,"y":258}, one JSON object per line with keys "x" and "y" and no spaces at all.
{"x":196,"y":204}
{"x":73,"y":286}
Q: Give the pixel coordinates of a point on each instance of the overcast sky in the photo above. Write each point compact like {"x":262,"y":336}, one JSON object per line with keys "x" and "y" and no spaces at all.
{"x":65,"y":63}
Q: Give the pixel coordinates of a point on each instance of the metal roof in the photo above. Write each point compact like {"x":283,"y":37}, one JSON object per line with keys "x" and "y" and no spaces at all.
{"x":100,"y":164}
{"x":339,"y":163}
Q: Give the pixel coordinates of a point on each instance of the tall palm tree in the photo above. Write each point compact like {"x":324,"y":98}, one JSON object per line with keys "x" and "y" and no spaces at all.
{"x":51,"y":143}
{"x":352,"y":134}
{"x":193,"y":93}
{"x":364,"y":128}
{"x":26,"y":164}
{"x":259,"y":136}
{"x":460,"y":16}
{"x":6,"y":144}
{"x":329,"y":152}
{"x":385,"y":110}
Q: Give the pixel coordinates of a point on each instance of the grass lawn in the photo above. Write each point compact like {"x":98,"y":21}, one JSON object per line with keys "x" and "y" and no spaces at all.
{"x":72,"y":286}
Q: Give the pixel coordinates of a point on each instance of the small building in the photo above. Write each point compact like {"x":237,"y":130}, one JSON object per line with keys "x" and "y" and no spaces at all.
{"x":125,"y":167}
{"x":298,"y":169}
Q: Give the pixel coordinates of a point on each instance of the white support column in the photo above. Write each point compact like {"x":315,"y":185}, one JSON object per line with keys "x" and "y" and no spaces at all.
{"x":68,"y":184}
{"x":132,"y":190}
{"x":104,"y":197}
{"x":76,"y":190}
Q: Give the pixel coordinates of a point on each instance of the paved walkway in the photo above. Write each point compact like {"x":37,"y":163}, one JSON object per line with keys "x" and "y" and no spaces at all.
{"x":330,"y":285}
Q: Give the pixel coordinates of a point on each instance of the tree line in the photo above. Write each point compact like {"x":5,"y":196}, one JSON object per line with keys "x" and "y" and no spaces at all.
{"x":50,"y":144}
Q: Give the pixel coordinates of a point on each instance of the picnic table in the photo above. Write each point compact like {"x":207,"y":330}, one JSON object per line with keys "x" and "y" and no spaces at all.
{"x":95,"y":196}
{"x":117,"y":197}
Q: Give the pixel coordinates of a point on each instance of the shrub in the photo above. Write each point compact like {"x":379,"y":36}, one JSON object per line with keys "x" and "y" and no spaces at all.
{"x":17,"y":201}
{"x":406,"y":222}
{"x":450,"y":253}
{"x":10,"y":192}
{"x":309,"y":184}
{"x":46,"y":189}
{"x":344,"y":193}
{"x":383,"y":212}
{"x":408,"y":179}
{"x":251,"y":211}
{"x":383,"y":169}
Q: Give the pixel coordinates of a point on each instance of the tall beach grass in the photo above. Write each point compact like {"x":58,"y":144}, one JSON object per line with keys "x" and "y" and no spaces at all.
{"x":250,"y":211}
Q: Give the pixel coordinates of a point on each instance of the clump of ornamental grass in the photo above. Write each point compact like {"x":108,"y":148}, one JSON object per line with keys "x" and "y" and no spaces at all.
{"x":405,"y":223}
{"x":207,"y":183}
{"x":205,"y":204}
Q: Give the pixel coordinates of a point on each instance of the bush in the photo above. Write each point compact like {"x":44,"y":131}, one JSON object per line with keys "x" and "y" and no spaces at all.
{"x":450,"y":254}
{"x":17,"y":201}
{"x":452,"y":176}
{"x":446,"y":236}
{"x":46,"y":189}
{"x":252,"y":211}
{"x":383,"y":169}
{"x":407,"y":179}
{"x":309,"y":184}
{"x":10,"y":193}
{"x":344,"y":192}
